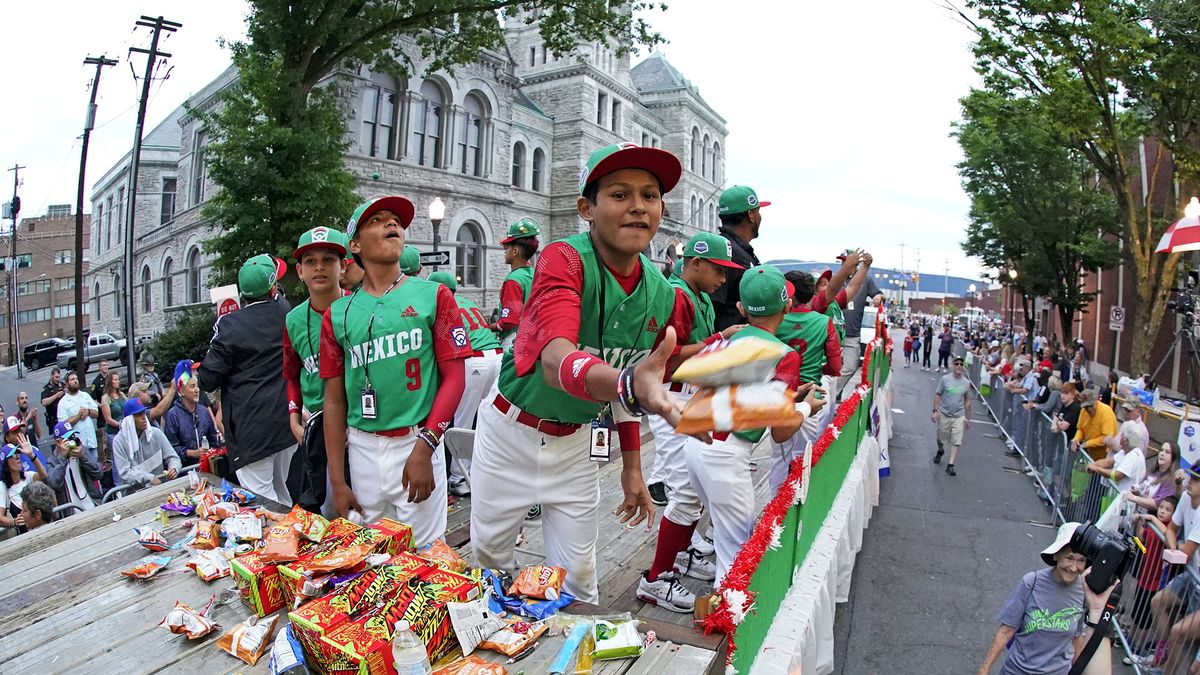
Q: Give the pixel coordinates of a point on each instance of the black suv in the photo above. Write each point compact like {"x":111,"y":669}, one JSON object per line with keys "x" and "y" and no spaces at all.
{"x":44,"y":352}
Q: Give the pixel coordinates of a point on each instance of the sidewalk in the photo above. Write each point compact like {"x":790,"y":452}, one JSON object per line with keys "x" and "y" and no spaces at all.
{"x":942,"y":553}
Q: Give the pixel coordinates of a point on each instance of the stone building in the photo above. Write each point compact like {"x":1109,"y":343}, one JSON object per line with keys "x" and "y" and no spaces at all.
{"x":502,"y":138}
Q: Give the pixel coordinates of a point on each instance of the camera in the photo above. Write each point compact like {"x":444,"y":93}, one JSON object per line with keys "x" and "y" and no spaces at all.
{"x":1185,"y":298}
{"x":1108,"y":556}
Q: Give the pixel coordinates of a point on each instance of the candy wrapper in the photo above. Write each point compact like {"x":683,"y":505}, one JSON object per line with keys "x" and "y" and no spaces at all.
{"x":472,"y":665}
{"x":248,"y":641}
{"x":739,"y":408}
{"x":742,"y":361}
{"x":514,"y":637}
{"x":178,"y":503}
{"x":151,"y":539}
{"x":539,"y":581}
{"x":147,"y":567}
{"x":441,"y":554}
{"x":242,"y":527}
{"x":210,"y":565}
{"x":184,"y":620}
{"x":617,"y":640}
{"x":206,"y":535}
{"x":237,"y":495}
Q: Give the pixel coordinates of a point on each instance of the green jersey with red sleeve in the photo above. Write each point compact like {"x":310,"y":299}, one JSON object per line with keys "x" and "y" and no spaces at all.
{"x":482,"y":337}
{"x":514,"y":293}
{"x":787,"y":370}
{"x":813,"y":336}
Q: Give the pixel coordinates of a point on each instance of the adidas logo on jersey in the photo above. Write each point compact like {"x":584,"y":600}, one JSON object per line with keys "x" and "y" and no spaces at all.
{"x":652,"y":326}
{"x":409,"y":313}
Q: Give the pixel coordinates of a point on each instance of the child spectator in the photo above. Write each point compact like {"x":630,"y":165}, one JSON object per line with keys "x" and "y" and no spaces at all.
{"x":1150,"y":529}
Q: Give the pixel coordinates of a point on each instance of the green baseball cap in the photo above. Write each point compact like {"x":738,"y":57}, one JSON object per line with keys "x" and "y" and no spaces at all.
{"x":739,"y":199}
{"x":321,"y":237}
{"x":444,"y":278}
{"x":763,"y":290}
{"x":400,"y":206}
{"x":713,"y":248}
{"x":410,"y":260}
{"x":257,"y":275}
{"x":522,"y":229}
{"x":665,"y":166}
{"x":678,"y":268}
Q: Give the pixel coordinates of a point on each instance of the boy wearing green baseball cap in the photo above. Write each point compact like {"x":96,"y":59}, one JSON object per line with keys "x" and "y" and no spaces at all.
{"x":739,"y":211}
{"x":720,"y":472}
{"x":392,"y":359}
{"x":320,"y":257}
{"x":519,"y":247}
{"x":594,"y":331}
{"x":410,"y":261}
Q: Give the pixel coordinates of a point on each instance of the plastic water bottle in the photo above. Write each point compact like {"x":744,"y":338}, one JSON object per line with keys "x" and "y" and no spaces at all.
{"x":409,"y":656}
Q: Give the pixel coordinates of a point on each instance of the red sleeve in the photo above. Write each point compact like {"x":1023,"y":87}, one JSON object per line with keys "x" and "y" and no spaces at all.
{"x":553,"y":310}
{"x":291,"y":373}
{"x":333,"y":359}
{"x":683,"y":317}
{"x":788,"y":370}
{"x":512,"y":304}
{"x":843,"y":299}
{"x":819,"y":303}
{"x":833,"y":352}
{"x":630,"y":435}
{"x":452,"y":375}
{"x":450,"y":340}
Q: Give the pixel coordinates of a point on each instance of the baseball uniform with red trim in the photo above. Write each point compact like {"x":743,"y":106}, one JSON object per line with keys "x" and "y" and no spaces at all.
{"x":514,"y":293}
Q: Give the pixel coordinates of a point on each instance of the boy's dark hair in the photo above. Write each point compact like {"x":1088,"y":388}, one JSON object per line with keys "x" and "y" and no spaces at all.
{"x":734,"y":219}
{"x":804,"y":284}
{"x":526,"y":246}
{"x":593,"y":188}
{"x":1172,"y":499}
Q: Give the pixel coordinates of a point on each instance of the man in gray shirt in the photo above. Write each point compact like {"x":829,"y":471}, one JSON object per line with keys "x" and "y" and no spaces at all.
{"x":951,"y":412}
{"x":141,"y":451}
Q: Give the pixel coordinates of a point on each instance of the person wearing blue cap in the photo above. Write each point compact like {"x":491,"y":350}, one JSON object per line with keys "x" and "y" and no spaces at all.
{"x":72,"y":472}
{"x":141,"y":451}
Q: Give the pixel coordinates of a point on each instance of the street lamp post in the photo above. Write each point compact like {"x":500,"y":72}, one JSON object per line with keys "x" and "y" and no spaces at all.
{"x":437,"y":211}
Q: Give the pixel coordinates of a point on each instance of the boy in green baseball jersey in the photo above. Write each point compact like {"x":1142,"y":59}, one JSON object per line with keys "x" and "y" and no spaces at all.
{"x":410,"y":261}
{"x":720,"y":472}
{"x":392,"y":360}
{"x":320,"y":256}
{"x":594,"y":331}
{"x":481,"y":368}
{"x":519,"y":247}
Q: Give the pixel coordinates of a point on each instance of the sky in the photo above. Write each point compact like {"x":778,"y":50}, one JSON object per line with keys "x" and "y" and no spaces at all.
{"x":838,"y":114}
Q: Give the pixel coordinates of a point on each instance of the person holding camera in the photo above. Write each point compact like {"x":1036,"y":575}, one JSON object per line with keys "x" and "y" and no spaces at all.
{"x":1050,"y":613}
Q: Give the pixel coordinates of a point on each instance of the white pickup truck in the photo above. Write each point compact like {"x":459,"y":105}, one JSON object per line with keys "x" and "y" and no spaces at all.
{"x":100,"y":346}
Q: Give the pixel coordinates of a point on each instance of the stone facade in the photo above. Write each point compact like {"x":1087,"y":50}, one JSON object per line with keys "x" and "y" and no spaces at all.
{"x":502,"y":138}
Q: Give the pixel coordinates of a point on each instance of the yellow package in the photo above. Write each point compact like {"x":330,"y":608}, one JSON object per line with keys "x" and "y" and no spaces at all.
{"x":739,"y":407}
{"x":742,"y":361}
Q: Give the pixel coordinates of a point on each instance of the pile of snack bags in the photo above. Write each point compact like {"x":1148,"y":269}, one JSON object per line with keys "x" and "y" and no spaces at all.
{"x":344,"y":586}
{"x":735,"y":388}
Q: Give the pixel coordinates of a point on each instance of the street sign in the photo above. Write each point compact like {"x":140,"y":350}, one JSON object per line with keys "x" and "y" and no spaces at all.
{"x":432,"y":258}
{"x":1116,"y":318}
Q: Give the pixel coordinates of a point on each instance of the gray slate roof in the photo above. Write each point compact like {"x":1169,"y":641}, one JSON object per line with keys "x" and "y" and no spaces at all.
{"x":655,"y":73}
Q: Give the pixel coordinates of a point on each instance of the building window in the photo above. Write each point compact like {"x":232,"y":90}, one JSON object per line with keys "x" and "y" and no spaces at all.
{"x":532,"y":56}
{"x":518,"y":165}
{"x":108,"y":211}
{"x":23,"y":260}
{"x":198,"y":167}
{"x":64,"y":311}
{"x":33,"y":287}
{"x":717,"y":168}
{"x":379,"y":122}
{"x":695,"y":208}
{"x":692,"y":163}
{"x":63,"y":257}
{"x":706,"y":158}
{"x":96,"y":301}
{"x":193,"y":276}
{"x":33,"y":315}
{"x":543,"y":55}
{"x":99,"y":223}
{"x":539,"y":167}
{"x":601,"y":107}
{"x":146,"y":304}
{"x":120,"y":214}
{"x":470,"y":136}
{"x":616,"y":117}
{"x":168,"y":201}
{"x":118,"y":292}
{"x":426,"y":147}
{"x":64,"y":283}
{"x":469,"y":255}
{"x":168,"y":284}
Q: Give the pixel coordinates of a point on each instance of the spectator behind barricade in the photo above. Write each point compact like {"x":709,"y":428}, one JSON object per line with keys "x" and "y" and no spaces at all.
{"x":39,"y":506}
{"x":1149,"y":528}
{"x":72,"y":473}
{"x":149,"y":377}
{"x":112,"y":403}
{"x":1067,"y":419}
{"x":1183,"y":534}
{"x":141,"y":451}
{"x":1079,"y":370}
{"x":1126,"y":466}
{"x":1106,"y":394}
{"x":155,"y":409}
{"x":188,"y":425}
{"x":28,"y":415}
{"x":79,"y":409}
{"x":1049,"y":614}
{"x":22,"y":463}
{"x":1163,"y":479}
{"x":1096,"y":423}
{"x":54,"y":390}
{"x":1050,"y":399}
{"x":1027,"y":384}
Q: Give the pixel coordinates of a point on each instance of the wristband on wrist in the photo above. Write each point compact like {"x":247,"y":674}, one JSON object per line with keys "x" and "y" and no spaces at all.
{"x":625,"y":394}
{"x":572,"y":373}
{"x":804,"y":408}
{"x":429,"y":436}
{"x":714,"y":338}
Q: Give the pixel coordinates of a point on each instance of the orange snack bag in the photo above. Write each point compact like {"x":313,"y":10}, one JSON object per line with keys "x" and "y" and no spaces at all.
{"x":249,"y":642}
{"x":471,"y":665}
{"x":739,"y":408}
{"x":440,"y":553}
{"x":340,"y":559}
{"x":282,"y":543}
{"x":510,"y":641}
{"x":539,"y":581}
{"x":206,"y":535}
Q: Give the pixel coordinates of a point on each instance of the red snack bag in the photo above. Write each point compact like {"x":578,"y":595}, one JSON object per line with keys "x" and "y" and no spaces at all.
{"x":184,"y":620}
{"x":206,"y":535}
{"x":281,"y":543}
{"x":340,"y":559}
{"x":441,"y":554}
{"x":147,"y":567}
{"x":471,"y":665}
{"x":249,"y":640}
{"x":539,"y":581}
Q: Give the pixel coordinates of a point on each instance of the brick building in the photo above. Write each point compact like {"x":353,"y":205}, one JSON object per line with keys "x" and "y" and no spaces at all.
{"x":502,"y":138}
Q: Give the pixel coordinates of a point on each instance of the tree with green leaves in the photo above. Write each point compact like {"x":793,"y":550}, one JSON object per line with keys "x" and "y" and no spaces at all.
{"x":1035,"y":206}
{"x":278,"y":134}
{"x":1107,"y":74}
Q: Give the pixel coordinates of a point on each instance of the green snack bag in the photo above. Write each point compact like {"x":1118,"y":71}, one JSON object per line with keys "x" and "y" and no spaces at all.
{"x":617,"y":640}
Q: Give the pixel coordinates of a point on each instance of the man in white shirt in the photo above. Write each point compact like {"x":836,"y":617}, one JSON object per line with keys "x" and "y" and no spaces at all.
{"x":79,"y":409}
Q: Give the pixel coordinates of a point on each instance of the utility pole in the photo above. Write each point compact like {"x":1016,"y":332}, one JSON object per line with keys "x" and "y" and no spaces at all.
{"x":14,"y":350}
{"x":89,"y":122}
{"x":159,"y":25}
{"x":903,"y":277}
{"x":945,"y":286}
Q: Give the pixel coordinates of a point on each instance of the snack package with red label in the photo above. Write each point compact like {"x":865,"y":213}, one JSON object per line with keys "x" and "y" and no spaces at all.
{"x":151,"y":539}
{"x":471,"y":665}
{"x":539,"y":581}
{"x":310,"y":525}
{"x":248,"y":641}
{"x":281,"y":543}
{"x":210,"y":565}
{"x":344,"y":558}
{"x":442,"y":555}
{"x":178,"y":503}
{"x":206,"y":535}
{"x":184,"y":620}
{"x":514,"y":637}
{"x":147,"y":567}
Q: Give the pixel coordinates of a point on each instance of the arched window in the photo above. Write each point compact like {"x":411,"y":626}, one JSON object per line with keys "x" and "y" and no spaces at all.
{"x":706,"y":158}
{"x":518,"y":165}
{"x":426,"y":143}
{"x":469,"y":263}
{"x":96,"y":302}
{"x":695,"y":208}
{"x":692,"y":164}
{"x":380,"y":117}
{"x":193,"y":276}
{"x":168,"y":283}
{"x":470,"y":136}
{"x":539,"y":166}
{"x":718,"y":167}
{"x":712,"y":216}
{"x":146,"y":304}
{"x":118,"y":292}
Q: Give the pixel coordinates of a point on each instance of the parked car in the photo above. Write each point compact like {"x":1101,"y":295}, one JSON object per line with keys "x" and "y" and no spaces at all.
{"x":100,"y":346}
{"x":44,"y":352}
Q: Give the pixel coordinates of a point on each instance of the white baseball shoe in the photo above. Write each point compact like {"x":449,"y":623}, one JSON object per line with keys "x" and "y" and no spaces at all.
{"x":702,"y":545}
{"x":692,"y":564}
{"x":667,"y":593}
{"x":460,"y":488}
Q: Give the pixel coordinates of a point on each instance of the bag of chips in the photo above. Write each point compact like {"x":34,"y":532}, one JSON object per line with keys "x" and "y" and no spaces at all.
{"x":248,"y":641}
{"x":281,"y":543}
{"x":151,"y":539}
{"x":147,"y":567}
{"x":223,"y":510}
{"x":471,"y":665}
{"x":442,"y":555}
{"x":238,"y":495}
{"x":726,"y":362}
{"x":210,"y":565}
{"x":472,"y":622}
{"x":287,"y":656}
{"x":243,"y":527}
{"x":178,"y":503}
{"x":739,"y":407}
{"x":184,"y":620}
{"x":341,"y":559}
{"x":206,"y":535}
{"x":539,"y":581}
{"x":514,"y":637}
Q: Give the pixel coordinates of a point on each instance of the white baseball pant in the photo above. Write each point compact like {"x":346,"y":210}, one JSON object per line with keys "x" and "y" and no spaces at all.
{"x":377,"y":478}
{"x":268,"y":477}
{"x":515,"y":467}
{"x":721,"y":475}
{"x":506,"y":342}
{"x":850,"y":364}
{"x":669,"y":467}
{"x":481,"y":373}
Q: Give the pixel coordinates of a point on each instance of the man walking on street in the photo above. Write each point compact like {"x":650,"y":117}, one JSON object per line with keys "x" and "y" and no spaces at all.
{"x":951,"y":413}
{"x":740,"y":220}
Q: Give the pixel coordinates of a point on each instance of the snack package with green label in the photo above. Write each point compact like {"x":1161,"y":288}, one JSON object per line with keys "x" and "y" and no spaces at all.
{"x":617,"y":640}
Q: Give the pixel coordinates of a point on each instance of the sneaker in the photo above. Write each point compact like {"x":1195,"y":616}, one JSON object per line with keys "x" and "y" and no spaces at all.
{"x":937,"y":459}
{"x":534,"y":512}
{"x":950,"y":470}
{"x":1012,"y":453}
{"x":667,"y":593}
{"x":658,"y":493}
{"x":702,"y":545}
{"x":460,"y":488}
{"x":690,"y":563}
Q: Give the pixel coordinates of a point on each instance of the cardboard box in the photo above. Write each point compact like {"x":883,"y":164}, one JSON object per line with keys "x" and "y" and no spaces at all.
{"x":390,"y":536}
{"x":259,"y":582}
{"x":367,"y":639}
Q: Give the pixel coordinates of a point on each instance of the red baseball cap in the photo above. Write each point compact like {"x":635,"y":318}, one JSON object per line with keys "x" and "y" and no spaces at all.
{"x":827,"y":274}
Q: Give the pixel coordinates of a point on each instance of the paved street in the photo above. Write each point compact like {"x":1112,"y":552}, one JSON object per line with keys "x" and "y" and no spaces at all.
{"x":941,"y":552}
{"x":32,"y":383}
